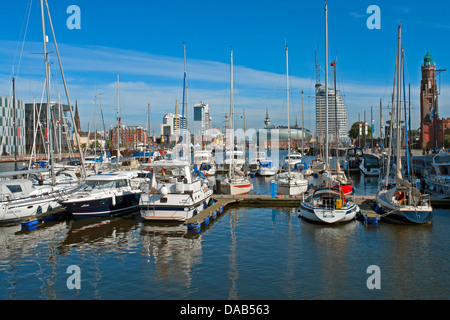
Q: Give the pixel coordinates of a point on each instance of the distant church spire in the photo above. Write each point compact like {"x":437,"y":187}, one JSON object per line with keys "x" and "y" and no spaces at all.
{"x":267,"y":119}
{"x":77,"y":118}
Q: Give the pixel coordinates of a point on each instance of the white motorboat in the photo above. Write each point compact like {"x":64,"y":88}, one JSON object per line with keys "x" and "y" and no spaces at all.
{"x":204,"y":162}
{"x":174,"y":193}
{"x":107,"y":194}
{"x":266,"y":168}
{"x":253,"y":165}
{"x":437,"y":177}
{"x":295,"y":160}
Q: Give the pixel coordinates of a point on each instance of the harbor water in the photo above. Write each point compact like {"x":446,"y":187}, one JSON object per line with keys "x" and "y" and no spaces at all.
{"x":248,"y":253}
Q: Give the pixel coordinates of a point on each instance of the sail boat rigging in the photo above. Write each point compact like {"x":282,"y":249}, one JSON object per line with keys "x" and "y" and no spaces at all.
{"x":328,"y":204}
{"x":235,"y":183}
{"x":401,"y":202}
{"x":290,"y":183}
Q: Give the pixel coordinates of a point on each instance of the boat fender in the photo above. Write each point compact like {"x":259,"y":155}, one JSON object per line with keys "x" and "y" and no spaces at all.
{"x":113,"y":200}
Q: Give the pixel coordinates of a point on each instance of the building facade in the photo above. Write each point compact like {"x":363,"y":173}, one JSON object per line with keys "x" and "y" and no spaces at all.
{"x":431,"y":127}
{"x":36,"y":121}
{"x":10,"y":138}
{"x":131,"y":136}
{"x":337,"y":113}
{"x":172,"y":125}
{"x":202,"y":119}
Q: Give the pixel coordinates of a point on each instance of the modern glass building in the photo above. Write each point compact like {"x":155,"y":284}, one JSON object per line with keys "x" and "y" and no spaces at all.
{"x":10,"y":138}
{"x":337,"y":114}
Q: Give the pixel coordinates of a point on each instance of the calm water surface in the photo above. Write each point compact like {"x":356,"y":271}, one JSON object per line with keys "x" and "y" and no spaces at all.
{"x":247,"y":253}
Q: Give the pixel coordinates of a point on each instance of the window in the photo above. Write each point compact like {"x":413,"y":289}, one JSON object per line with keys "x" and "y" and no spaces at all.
{"x":14,"y":188}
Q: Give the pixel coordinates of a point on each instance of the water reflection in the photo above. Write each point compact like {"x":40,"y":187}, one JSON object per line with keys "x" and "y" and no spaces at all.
{"x":173,"y":252}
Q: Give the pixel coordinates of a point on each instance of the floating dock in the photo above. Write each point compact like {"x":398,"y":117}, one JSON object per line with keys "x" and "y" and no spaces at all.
{"x":367,"y":213}
{"x":261,"y":201}
{"x":30,"y":223}
{"x":211,"y":212}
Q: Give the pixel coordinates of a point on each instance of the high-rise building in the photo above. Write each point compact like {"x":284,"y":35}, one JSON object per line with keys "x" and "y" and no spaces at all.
{"x":172,"y":125}
{"x":9,"y":138}
{"x":337,"y":113}
{"x":36,"y":132}
{"x":202,"y":119}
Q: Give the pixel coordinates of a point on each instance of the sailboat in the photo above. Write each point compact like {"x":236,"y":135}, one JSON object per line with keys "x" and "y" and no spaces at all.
{"x":19,"y":198}
{"x":328,"y":203}
{"x":291,"y":183}
{"x":235,"y":183}
{"x":401,"y":202}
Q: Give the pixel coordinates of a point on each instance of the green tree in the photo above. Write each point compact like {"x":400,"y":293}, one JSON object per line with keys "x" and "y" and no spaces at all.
{"x":353,"y":133}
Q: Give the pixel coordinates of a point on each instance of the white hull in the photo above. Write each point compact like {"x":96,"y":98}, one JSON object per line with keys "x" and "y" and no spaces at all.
{"x":236,"y":186}
{"x":291,"y":185}
{"x":266,"y":171}
{"x":328,"y":206}
{"x":327,"y":215}
{"x":27,"y":208}
{"x":177,"y":207}
{"x":29,"y":201}
{"x":292,"y":189}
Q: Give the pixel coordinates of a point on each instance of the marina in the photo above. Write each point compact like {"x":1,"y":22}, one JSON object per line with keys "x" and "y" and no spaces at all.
{"x":258,"y":247}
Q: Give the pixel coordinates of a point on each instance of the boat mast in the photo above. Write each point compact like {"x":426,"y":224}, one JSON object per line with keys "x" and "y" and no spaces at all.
{"x":398,"y":103}
{"x":14,"y":122}
{"x":303,"y":131}
{"x":405,"y":114}
{"x":47,"y":87}
{"x":231,"y":169}
{"x":335,"y":120}
{"x":289,"y":127}
{"x":148,"y":133}
{"x":326,"y":87}
{"x":184,"y":98}
{"x":64,"y":82}
{"x":391,"y":125}
{"x":118,"y":120}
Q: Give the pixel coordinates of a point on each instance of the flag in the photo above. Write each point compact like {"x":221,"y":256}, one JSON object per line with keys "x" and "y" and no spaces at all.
{"x":332,"y":64}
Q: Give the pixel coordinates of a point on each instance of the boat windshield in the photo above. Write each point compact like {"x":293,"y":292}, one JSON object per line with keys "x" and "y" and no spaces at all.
{"x":353,"y":152}
{"x":89,"y":185}
{"x":372,"y":162}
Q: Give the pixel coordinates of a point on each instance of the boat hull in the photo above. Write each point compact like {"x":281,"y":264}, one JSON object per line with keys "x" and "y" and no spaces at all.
{"x":267,"y":172}
{"x":179,"y":208}
{"x":328,"y":215}
{"x":14,"y":211}
{"x":236,"y":188}
{"x":402,"y":214}
{"x":292,"y":189}
{"x":105,"y":206}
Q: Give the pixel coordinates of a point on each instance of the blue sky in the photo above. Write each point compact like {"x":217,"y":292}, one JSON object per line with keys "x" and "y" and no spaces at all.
{"x":143,"y":42}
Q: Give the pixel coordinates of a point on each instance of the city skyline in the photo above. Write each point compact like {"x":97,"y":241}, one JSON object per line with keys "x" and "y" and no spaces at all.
{"x":144,"y":44}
